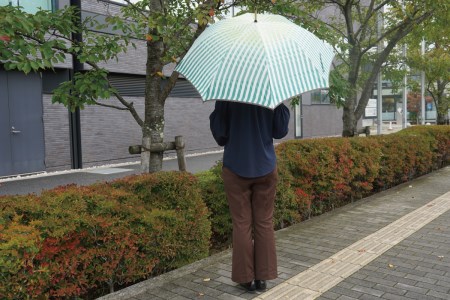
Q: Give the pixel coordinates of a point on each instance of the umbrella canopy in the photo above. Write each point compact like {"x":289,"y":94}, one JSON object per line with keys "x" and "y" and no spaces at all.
{"x":261,"y":63}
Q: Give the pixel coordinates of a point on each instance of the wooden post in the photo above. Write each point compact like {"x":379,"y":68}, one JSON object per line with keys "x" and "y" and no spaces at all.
{"x":147,"y":147}
{"x":179,"y":144}
{"x":145,"y":154}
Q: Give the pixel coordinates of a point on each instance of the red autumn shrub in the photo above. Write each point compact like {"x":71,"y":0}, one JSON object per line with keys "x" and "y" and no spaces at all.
{"x":84,"y":241}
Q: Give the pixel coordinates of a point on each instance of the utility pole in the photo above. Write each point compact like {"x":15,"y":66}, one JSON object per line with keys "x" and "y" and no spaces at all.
{"x":405,"y":82}
{"x":379,"y":77}
{"x":422,"y":88}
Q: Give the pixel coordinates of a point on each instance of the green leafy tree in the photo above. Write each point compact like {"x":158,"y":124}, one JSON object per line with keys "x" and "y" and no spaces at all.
{"x":351,"y":27}
{"x":435,"y":62}
{"x":33,"y":42}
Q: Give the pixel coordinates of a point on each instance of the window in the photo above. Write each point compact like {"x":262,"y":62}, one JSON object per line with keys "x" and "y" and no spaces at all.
{"x":30,"y":6}
{"x":320,"y":97}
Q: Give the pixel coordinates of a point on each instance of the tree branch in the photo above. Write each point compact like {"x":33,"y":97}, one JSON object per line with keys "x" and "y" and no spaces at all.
{"x":173,"y":78}
{"x":128,"y":105}
{"x":407,"y":24}
{"x":141,"y":12}
{"x":109,"y":105}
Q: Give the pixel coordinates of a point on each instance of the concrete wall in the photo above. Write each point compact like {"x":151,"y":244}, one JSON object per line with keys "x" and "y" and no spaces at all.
{"x":321,"y":120}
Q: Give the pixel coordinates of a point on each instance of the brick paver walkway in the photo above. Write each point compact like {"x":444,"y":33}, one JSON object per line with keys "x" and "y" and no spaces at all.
{"x":393,"y":245}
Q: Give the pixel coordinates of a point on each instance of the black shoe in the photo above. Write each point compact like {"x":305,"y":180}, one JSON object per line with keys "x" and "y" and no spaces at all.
{"x":260,"y":285}
{"x":248,"y":286}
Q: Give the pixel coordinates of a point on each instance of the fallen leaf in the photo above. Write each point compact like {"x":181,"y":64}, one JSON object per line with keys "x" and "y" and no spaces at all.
{"x":391,"y":265}
{"x":201,"y":294}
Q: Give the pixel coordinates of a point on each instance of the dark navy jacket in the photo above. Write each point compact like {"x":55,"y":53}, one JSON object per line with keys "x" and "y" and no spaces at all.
{"x":247,"y":132}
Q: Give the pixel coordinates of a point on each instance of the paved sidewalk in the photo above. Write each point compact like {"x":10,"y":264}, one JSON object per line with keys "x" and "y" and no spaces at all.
{"x":392,"y":245}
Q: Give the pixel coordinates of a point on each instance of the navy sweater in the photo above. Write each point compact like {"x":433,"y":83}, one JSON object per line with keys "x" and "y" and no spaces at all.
{"x":247,"y":132}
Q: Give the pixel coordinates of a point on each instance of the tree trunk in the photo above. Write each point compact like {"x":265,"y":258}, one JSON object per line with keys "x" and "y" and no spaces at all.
{"x":442,"y":107}
{"x":153,"y":129}
{"x":441,"y":103}
{"x":440,"y":119}
{"x":349,"y":122}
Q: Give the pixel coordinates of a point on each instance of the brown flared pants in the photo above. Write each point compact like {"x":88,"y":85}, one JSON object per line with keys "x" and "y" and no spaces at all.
{"x":251,"y":202}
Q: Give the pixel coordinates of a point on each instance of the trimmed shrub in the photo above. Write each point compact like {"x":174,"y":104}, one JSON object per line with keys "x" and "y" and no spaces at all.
{"x":286,"y":210}
{"x":213,"y":193}
{"x":330,"y":172}
{"x":211,"y":184}
{"x":181,"y":230}
{"x":439,"y":142}
{"x":72,"y":241}
{"x":86,"y":241}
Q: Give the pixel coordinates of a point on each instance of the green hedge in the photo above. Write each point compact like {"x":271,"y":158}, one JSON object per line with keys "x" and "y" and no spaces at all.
{"x":72,"y":241}
{"x":330,"y":172}
{"x":211,"y":184}
{"x":318,"y":175}
{"x":86,"y":241}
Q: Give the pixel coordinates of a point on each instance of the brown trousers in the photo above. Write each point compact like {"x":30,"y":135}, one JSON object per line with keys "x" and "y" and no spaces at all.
{"x":251,"y":202}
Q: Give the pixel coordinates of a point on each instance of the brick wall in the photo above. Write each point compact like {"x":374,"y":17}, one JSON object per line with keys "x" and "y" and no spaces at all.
{"x":56,"y":135}
{"x":106,"y":133}
{"x":131,"y":62}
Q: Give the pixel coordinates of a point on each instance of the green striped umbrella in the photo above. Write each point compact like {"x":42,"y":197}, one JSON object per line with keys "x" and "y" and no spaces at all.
{"x":262,"y":63}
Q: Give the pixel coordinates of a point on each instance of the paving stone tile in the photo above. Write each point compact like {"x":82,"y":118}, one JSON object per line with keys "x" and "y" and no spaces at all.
{"x":343,"y":297}
{"x":439,"y":295}
{"x":443,"y":283}
{"x":401,"y":280}
{"x":287,"y":291}
{"x":369,"y":297}
{"x":418,"y":296}
{"x":429,"y":269}
{"x":390,"y":289}
{"x":434,"y":287}
{"x":378,"y":280}
{"x":389,"y":296}
{"x":329,"y":295}
{"x":411,"y":288}
{"x":346,"y":292}
{"x":360,"y":282}
{"x":233,"y":290}
{"x":226,"y":296}
{"x":421,"y":278}
{"x":149,"y":296}
{"x":366,"y":290}
{"x":181,"y":298}
{"x":439,"y":277}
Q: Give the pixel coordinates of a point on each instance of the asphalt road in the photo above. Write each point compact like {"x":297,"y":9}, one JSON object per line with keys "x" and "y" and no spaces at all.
{"x":37,"y":183}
